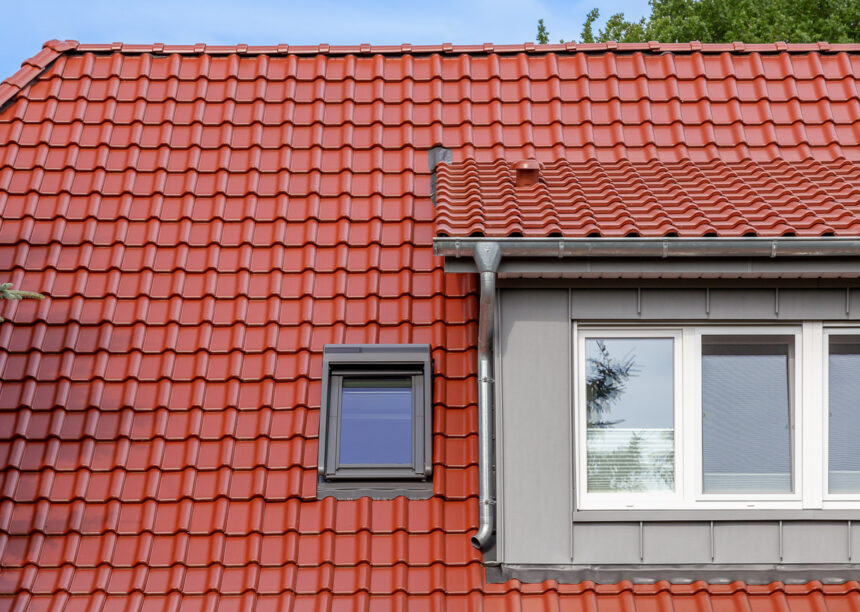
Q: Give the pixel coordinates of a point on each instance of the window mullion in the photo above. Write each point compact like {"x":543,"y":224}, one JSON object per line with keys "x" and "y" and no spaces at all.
{"x":810,"y":414}
{"x":693,"y":408}
{"x":690,"y":416}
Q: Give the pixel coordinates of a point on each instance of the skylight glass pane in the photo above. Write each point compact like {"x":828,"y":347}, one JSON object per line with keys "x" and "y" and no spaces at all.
{"x":376,"y":422}
{"x":630,"y":417}
{"x":844,"y":418}
{"x":746,"y":414}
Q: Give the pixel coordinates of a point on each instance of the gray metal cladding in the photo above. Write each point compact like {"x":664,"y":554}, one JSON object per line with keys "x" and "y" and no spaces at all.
{"x":539,"y":524}
{"x":715,"y":304}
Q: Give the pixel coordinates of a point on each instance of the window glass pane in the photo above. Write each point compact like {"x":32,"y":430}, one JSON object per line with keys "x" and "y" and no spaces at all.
{"x":376,"y":422}
{"x":844,"y":420}
{"x":746,"y":414}
{"x":630,"y":404}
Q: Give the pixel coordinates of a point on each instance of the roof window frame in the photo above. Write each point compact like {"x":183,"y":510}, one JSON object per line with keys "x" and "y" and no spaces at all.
{"x":368,"y":361}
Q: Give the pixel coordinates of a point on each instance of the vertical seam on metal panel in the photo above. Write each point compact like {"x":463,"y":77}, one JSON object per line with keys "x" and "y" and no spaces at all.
{"x":847,"y":301}
{"x":641,"y":541}
{"x":781,"y":539}
{"x":639,"y":301}
{"x":571,"y":394}
{"x":712,"y":541}
{"x":850,"y":543}
{"x":776,"y":301}
{"x":708,"y":301}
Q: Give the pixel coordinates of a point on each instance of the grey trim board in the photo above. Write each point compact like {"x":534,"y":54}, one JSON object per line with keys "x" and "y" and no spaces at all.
{"x":437,"y":155}
{"x":712,"y":514}
{"x":422,"y":489}
{"x":738,"y":305}
{"x":679,"y":574}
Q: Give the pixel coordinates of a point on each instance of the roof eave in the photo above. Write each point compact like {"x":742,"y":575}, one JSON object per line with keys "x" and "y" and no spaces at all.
{"x":668,"y":257}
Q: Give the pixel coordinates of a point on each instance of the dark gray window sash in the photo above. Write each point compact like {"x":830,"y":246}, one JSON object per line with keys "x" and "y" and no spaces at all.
{"x":334,"y":470}
{"x":376,"y":361}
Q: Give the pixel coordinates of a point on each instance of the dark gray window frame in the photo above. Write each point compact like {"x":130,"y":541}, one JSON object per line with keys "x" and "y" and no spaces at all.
{"x":379,"y":481}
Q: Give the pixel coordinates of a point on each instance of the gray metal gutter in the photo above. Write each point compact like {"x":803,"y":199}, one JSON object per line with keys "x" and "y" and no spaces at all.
{"x":659,"y":248}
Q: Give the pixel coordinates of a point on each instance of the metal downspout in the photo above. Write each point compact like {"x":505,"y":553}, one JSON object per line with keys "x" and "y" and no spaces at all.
{"x":487,"y":258}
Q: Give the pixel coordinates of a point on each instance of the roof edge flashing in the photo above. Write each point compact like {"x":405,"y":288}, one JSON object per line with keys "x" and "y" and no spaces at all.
{"x":435,"y":156}
{"x":658,"y":248}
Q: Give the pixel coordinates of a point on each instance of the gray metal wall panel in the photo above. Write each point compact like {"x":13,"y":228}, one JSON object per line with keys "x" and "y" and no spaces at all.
{"x":673,"y":303}
{"x":742,"y":303}
{"x":815,"y":542}
{"x":595,"y":543}
{"x":603,"y":303}
{"x":714,"y":304}
{"x":746,"y":542}
{"x":812,"y":304}
{"x":535,"y":344}
{"x":853,"y":298}
{"x":676,"y":543}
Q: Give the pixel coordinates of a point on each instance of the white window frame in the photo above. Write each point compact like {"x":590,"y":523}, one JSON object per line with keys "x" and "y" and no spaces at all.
{"x":809,"y":436}
{"x":594,"y":501}
{"x":831,"y":500}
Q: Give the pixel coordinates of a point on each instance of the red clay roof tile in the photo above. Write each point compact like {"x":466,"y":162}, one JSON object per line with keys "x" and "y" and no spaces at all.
{"x":205,"y":218}
{"x":653,"y":198}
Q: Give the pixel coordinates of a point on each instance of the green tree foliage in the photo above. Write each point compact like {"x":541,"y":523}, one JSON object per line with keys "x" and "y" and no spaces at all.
{"x":542,"y":34}
{"x":723,"y":21}
{"x":7,"y":293}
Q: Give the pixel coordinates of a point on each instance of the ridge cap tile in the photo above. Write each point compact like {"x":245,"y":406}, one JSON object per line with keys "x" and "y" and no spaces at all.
{"x":406,"y":48}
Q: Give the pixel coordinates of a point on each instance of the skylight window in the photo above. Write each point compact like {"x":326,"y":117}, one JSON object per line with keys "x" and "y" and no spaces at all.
{"x":375,"y":420}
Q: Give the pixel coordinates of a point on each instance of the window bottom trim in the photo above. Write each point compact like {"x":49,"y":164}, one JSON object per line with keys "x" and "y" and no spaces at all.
{"x":713,"y":573}
{"x":374,"y":489}
{"x":715,"y":514}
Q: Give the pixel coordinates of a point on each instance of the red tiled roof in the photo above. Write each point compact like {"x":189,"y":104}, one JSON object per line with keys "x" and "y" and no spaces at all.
{"x":652,"y":198}
{"x":205,"y":219}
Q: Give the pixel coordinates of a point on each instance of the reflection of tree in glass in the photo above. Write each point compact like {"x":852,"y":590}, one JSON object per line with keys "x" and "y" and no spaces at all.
{"x":621,"y":460}
{"x":604,"y":384}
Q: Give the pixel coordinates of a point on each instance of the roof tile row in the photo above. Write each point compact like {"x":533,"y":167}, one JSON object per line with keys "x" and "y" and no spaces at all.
{"x":626,"y":198}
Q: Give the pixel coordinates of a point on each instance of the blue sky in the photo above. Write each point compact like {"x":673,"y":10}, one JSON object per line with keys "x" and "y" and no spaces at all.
{"x":26,"y":25}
